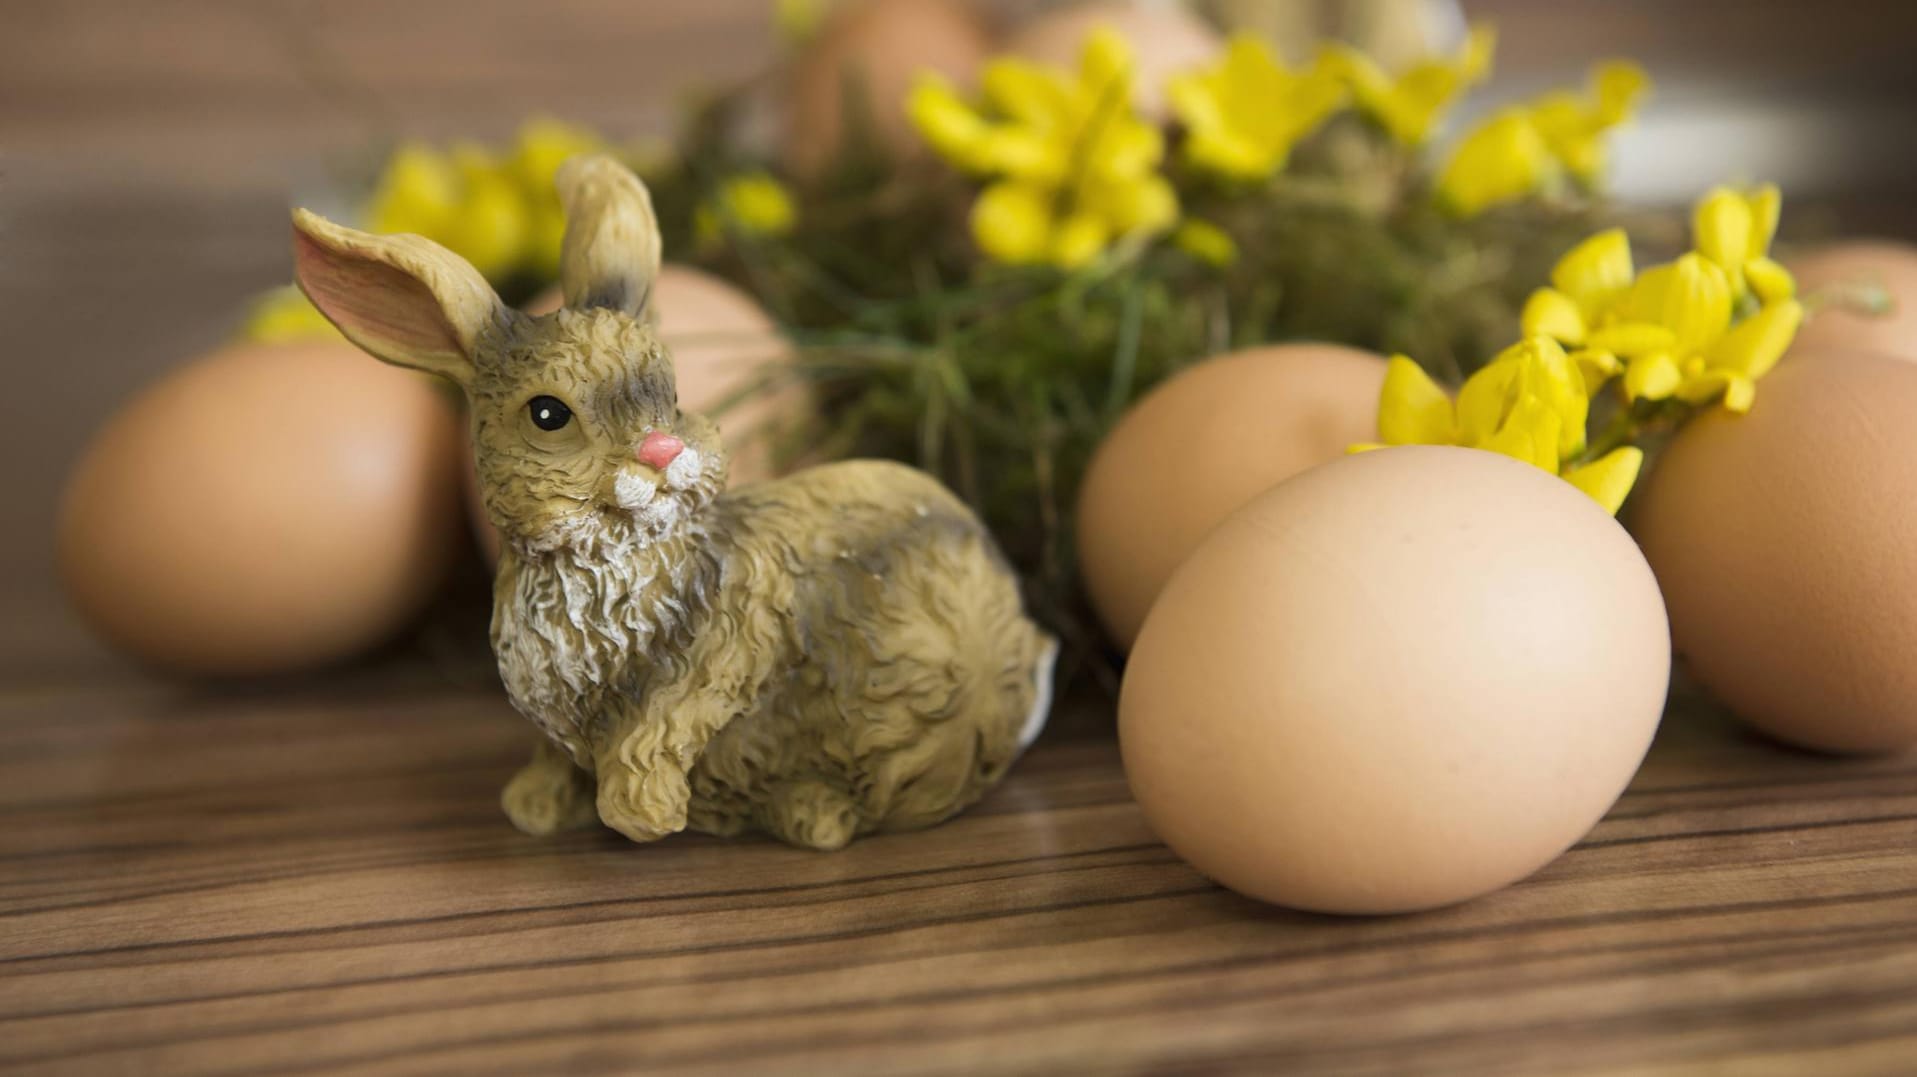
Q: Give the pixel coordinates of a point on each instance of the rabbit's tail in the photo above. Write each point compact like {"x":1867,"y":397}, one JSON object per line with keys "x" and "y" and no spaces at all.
{"x":1043,"y":673}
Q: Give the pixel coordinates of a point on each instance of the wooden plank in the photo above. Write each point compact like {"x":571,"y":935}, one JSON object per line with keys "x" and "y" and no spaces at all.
{"x":320,"y":880}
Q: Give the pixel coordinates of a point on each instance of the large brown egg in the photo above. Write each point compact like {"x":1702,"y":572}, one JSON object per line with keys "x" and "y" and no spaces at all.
{"x":1166,"y":40}
{"x":1201,"y":445}
{"x":1786,"y":544}
{"x":864,"y":63}
{"x":723,"y":343}
{"x":1394,"y":682}
{"x":1884,"y":264}
{"x":269,"y":508}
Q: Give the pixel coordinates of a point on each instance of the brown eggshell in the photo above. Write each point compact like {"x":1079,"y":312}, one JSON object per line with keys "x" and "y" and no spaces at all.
{"x":266,"y":509}
{"x":1882,"y":263}
{"x":1786,"y":544}
{"x":721,"y":341}
{"x":1400,"y":680}
{"x":1203,"y":444}
{"x":1166,"y":40}
{"x":875,"y":50}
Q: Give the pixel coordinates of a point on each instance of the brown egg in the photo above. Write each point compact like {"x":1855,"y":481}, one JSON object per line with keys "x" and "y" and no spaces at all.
{"x":721,"y":341}
{"x":868,"y":56}
{"x":266,"y":509}
{"x":1203,"y":444}
{"x":1784,"y":543}
{"x":1881,"y":263}
{"x":1166,"y":40}
{"x":1400,"y":680}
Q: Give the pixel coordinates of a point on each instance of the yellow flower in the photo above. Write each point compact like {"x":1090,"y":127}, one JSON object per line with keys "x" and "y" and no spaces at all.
{"x":1073,"y":168}
{"x":1575,"y":127}
{"x":1529,"y":403}
{"x":798,"y":20}
{"x":754,"y":204}
{"x":285,"y":314}
{"x":1578,"y":309}
{"x":418,"y":192}
{"x":1012,"y":222}
{"x":1608,"y":479}
{"x":1409,"y":106}
{"x":499,"y":210}
{"x":1700,"y":356}
{"x":1502,"y":160}
{"x":467,"y":200}
{"x":1734,"y":229}
{"x":1673,"y":328}
{"x":948,"y":123}
{"x":1529,"y":148}
{"x":492,"y":227}
{"x":1535,"y":369}
{"x":1243,"y":115}
{"x":542,"y":146}
{"x":1206,"y":242}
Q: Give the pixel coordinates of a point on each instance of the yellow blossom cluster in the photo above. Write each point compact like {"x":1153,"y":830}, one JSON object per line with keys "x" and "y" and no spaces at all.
{"x":1072,"y":168}
{"x":498,"y":210}
{"x":1540,"y":145}
{"x":1409,"y":105}
{"x":1206,"y":242}
{"x":1704,"y":327}
{"x":1531,"y":403}
{"x":753,"y":204}
{"x":1243,"y":115}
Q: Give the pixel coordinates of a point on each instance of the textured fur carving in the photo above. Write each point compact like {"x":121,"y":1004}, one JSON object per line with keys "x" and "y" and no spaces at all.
{"x":818,"y":657}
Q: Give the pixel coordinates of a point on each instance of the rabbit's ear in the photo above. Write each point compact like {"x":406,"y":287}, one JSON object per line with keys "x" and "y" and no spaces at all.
{"x":405,"y":299}
{"x":611,"y":252}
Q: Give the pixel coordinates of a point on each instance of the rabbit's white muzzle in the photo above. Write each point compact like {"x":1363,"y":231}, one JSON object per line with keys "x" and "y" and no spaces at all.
{"x":638,"y":489}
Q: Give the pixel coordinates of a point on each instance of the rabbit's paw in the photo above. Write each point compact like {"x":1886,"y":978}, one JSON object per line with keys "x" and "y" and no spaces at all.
{"x":644,"y":806}
{"x":549,"y":794}
{"x":810,"y":814}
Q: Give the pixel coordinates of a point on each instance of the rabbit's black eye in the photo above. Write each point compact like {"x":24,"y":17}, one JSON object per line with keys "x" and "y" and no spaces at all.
{"x":548,"y":413}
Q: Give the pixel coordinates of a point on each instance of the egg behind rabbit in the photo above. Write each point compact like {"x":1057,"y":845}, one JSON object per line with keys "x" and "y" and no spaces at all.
{"x":270,"y":508}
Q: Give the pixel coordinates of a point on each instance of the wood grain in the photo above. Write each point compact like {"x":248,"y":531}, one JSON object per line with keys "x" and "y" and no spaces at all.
{"x":319,"y":880}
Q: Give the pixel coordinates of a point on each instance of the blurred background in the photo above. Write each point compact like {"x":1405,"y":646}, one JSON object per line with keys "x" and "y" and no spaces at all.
{"x":148,"y":153}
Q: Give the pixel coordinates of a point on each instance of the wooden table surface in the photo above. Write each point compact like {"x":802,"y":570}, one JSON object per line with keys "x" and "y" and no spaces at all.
{"x":315,"y":875}
{"x":265,"y":881}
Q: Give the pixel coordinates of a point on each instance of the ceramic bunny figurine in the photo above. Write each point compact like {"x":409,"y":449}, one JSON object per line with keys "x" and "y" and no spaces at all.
{"x":819,"y":656}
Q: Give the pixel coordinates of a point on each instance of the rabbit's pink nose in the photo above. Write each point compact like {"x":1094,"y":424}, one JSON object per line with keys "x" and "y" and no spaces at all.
{"x":658,"y":450}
